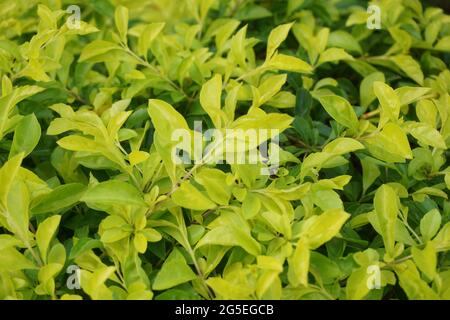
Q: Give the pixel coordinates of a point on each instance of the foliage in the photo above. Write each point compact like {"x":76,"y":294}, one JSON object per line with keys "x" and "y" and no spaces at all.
{"x":87,"y":178}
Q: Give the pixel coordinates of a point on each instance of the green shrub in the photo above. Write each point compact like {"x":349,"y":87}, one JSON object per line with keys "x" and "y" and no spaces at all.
{"x":348,"y":198}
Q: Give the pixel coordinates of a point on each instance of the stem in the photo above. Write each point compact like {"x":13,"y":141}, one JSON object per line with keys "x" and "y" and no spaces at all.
{"x":154,"y":69}
{"x":371,"y":114}
{"x":196,"y":166}
{"x":412,"y":231}
{"x":302,"y":144}
{"x":184,"y":178}
{"x":189,"y":174}
{"x":76,"y":96}
{"x":251,"y":73}
{"x":152,"y":181}
{"x":402,"y":259}
{"x":187,"y":246}
{"x":128,"y":170}
{"x":134,"y":179}
{"x":199,"y":271}
{"x":34,"y":254}
{"x":410,"y":256}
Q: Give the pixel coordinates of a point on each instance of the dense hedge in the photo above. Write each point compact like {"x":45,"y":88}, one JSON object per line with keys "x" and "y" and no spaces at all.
{"x":349,"y":201}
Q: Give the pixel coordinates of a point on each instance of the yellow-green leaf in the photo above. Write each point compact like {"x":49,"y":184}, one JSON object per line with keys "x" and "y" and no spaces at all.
{"x":289,"y":63}
{"x":276,"y":37}
{"x":426,"y":259}
{"x":386,"y":209}
{"x":188,"y":196}
{"x":340,"y":110}
{"x":45,"y":233}
{"x":121,"y":20}
{"x":174,"y":271}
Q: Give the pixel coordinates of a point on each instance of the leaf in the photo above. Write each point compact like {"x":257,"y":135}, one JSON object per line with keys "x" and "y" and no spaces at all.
{"x":320,"y":229}
{"x":45,"y":233}
{"x":224,"y":32}
{"x":389,"y":102}
{"x":357,"y":287}
{"x":17,"y":211}
{"x":327,"y":199}
{"x":8,"y":241}
{"x":149,"y":34}
{"x":113,"y":235}
{"x":237,"y":47}
{"x":26,"y":136}
{"x":46,"y":277}
{"x":210,"y":99}
{"x":231,"y":236}
{"x":409,"y":66}
{"x":60,"y":198}
{"x":269,"y":263}
{"x":283,"y":100}
{"x":252,"y":12}
{"x":342,"y":146}
{"x":121,"y":20}
{"x":340,"y":110}
{"x":151,"y":234}
{"x":443,"y":44}
{"x":426,"y":112}
{"x":420,"y":195}
{"x":293,"y":5}
{"x":370,"y":173}
{"x":410,"y":281}
{"x":265,"y":121}
{"x":432,"y":31}
{"x":425,"y":134}
{"x":12,"y":260}
{"x":276,"y":37}
{"x":113,"y":192}
{"x":367,"y":94}
{"x":137,"y":157}
{"x":386,"y":210}
{"x":7,"y":174}
{"x":57,"y":254}
{"x":173,"y":272}
{"x":270,"y":87}
{"x":332,"y":55}
{"x":83,"y":245}
{"x":344,"y":40}
{"x":442,"y":240}
{"x":97,"y":48}
{"x":228,"y":290}
{"x":426,"y":259}
{"x":94,"y":283}
{"x":328,"y":269}
{"x":79,"y":143}
{"x":214,"y":181}
{"x":289,"y":63}
{"x":408,"y":95}
{"x":165,"y":118}
{"x":9,"y":101}
{"x":319,"y":43}
{"x":140,"y":242}
{"x":187,"y":196}
{"x":299,"y":264}
{"x":390,"y":145}
{"x":251,"y":206}
{"x":430,"y":224}
{"x":402,"y":41}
